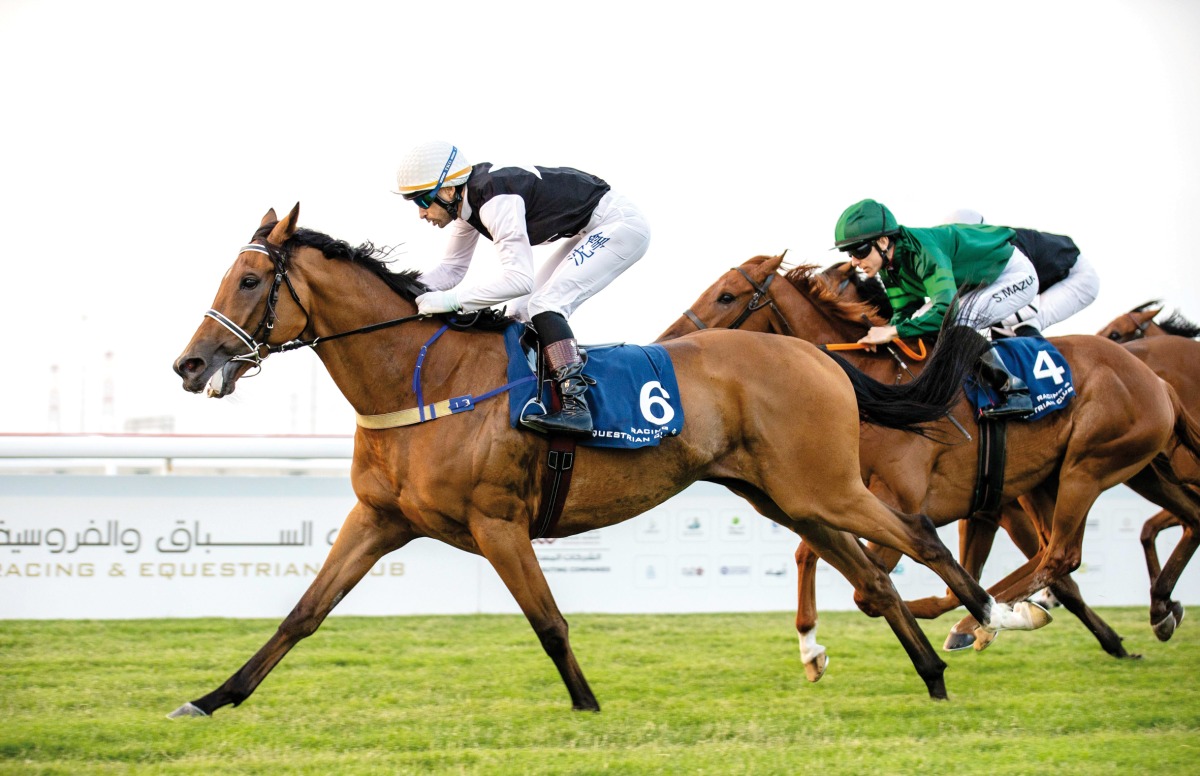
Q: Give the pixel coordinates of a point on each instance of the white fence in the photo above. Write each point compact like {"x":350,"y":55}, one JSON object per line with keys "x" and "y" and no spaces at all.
{"x":135,"y":546}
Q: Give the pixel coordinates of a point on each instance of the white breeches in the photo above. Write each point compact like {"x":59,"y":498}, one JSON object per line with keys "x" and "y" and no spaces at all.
{"x":1016,"y":287}
{"x":613,"y":240}
{"x":1069,"y":295}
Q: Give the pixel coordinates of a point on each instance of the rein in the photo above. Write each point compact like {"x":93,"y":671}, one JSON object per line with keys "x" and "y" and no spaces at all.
{"x":258,"y":351}
{"x":759,"y":300}
{"x":1141,"y":326}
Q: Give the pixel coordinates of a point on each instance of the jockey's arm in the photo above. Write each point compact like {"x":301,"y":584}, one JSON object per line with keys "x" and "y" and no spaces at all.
{"x":504,"y":217}
{"x":457,"y":258}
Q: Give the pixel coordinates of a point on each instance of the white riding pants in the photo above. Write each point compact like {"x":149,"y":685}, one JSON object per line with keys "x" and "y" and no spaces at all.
{"x":1069,"y":295}
{"x":613,"y":240}
{"x":1016,"y":287}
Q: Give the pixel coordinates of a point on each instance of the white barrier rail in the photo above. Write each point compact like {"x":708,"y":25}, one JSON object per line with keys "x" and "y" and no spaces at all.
{"x":49,"y":446}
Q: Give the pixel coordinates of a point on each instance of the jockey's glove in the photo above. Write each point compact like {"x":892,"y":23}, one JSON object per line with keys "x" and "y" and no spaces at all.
{"x":438,"y":302}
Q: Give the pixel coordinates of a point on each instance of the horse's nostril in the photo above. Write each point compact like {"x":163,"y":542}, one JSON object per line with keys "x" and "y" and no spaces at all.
{"x":189,"y":366}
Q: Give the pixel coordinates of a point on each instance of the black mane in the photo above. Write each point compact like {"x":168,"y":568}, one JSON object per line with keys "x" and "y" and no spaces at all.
{"x":1180,"y":326}
{"x":404,"y":282}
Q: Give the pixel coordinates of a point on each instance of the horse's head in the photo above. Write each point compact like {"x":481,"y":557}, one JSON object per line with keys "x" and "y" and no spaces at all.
{"x":733,"y":301}
{"x":246,"y":317}
{"x":853,"y":286}
{"x":1133,"y":324}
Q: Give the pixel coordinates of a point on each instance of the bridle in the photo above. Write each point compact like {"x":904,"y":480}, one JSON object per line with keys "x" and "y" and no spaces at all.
{"x":257,"y":351}
{"x":759,"y":300}
{"x":1140,"y":328}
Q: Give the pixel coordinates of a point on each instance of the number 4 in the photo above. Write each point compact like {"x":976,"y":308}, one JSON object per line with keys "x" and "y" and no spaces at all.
{"x":1045,"y":367}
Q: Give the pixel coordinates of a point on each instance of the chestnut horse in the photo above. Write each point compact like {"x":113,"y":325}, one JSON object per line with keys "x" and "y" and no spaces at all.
{"x":471,"y":480}
{"x":1169,"y":348}
{"x":1125,"y":425}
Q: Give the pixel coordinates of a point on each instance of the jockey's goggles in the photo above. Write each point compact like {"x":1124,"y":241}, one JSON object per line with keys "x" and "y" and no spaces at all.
{"x":860,"y":251}
{"x":425,"y":198}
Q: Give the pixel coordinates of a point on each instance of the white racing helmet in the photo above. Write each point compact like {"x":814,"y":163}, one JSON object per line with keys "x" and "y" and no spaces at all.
{"x":964,"y":216}
{"x":430,"y":166}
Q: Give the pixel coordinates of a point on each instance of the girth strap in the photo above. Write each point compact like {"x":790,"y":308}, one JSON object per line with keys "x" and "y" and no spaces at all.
{"x":556,"y":483}
{"x":989,"y":477}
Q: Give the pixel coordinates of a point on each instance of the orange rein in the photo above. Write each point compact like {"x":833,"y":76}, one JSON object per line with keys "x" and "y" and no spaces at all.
{"x":918,"y":355}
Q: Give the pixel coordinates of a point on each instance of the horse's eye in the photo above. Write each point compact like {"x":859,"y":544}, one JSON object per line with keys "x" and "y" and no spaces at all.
{"x":249,"y":282}
{"x":725,"y":298}
{"x":1115,"y":336}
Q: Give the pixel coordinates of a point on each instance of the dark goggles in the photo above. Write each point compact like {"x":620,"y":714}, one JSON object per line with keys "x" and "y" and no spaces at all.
{"x":861,"y":250}
{"x":424,"y":198}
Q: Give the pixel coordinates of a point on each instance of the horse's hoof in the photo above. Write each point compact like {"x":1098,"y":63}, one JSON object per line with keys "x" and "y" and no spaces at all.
{"x":1177,"y":613}
{"x":814,"y":669}
{"x":956,"y":642}
{"x":187,"y":710}
{"x":983,"y":639}
{"x":1035,"y":615}
{"x":1165,"y":628}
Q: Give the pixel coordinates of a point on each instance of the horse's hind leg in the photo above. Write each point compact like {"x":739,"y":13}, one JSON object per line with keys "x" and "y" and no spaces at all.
{"x":862,"y":514}
{"x":877,"y":596}
{"x":506,"y":546}
{"x":363,"y":539}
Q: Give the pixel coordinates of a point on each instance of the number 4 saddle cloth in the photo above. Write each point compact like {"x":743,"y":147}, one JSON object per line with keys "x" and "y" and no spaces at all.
{"x":1040,"y":365}
{"x":634,"y":402}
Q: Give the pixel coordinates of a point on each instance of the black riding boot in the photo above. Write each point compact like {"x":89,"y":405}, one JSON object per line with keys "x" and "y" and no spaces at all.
{"x":1014,"y":393}
{"x":566,"y":365}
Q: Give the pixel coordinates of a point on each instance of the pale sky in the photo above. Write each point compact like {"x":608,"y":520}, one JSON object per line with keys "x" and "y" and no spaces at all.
{"x":143,"y":141}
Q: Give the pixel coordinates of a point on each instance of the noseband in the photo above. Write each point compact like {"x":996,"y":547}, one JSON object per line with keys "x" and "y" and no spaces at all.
{"x":759,"y":300}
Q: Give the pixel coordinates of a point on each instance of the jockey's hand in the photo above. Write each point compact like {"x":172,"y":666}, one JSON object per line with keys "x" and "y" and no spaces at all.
{"x":438,"y":302}
{"x":878,"y":335}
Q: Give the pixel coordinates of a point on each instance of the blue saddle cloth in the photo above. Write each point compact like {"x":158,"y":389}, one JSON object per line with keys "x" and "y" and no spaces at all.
{"x":1040,"y":365}
{"x":635,"y":402}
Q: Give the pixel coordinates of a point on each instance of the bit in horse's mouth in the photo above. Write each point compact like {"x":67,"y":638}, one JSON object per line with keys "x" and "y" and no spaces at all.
{"x":224,"y":380}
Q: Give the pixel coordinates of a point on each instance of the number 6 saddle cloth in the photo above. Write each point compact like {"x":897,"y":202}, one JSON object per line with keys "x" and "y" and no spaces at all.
{"x":634,"y":401}
{"x":1040,"y":365}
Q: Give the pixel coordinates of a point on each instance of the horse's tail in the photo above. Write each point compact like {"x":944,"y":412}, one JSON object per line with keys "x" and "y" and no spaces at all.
{"x":931,"y":395}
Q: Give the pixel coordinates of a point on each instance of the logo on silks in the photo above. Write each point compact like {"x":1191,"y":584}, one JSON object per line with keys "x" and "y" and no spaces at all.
{"x":587,"y":249}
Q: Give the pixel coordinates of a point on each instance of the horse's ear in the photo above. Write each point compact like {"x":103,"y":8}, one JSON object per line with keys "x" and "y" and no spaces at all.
{"x":772,"y":264}
{"x":783,"y":255}
{"x":269,"y":218}
{"x":284,"y":230}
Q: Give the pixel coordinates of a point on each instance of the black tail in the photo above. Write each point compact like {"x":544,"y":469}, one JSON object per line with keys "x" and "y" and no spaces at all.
{"x":929,"y":397}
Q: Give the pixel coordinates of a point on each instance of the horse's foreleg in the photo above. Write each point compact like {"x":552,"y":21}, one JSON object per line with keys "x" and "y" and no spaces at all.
{"x":506,"y":546}
{"x":812,"y":654}
{"x":877,"y":596}
{"x":363,"y":539}
{"x":1183,"y":502}
{"x":1150,"y":531}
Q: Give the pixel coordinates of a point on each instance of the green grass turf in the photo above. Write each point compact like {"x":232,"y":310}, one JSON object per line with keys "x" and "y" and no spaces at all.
{"x":680,"y":694}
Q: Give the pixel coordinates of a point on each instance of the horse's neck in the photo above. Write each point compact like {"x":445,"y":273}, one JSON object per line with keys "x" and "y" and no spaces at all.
{"x":377,"y":371}
{"x":809,"y":321}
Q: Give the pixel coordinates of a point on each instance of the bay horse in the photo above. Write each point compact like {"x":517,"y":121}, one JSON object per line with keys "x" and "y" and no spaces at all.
{"x":776,"y":423}
{"x":1125,"y":425}
{"x":1171,"y":349}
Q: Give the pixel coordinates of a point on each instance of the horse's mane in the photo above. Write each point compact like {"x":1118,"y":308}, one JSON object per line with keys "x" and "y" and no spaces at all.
{"x":807,"y":281}
{"x":1180,"y":326}
{"x":1174,"y":324}
{"x":870,"y":290}
{"x":404,"y":282}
